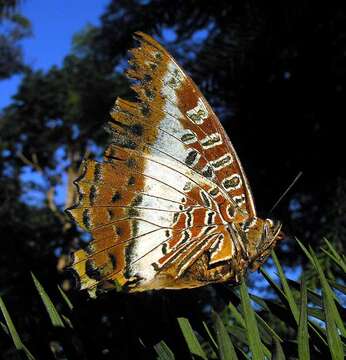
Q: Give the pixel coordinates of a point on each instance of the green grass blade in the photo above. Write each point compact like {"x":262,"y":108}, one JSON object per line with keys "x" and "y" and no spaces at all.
{"x":239,"y":333}
{"x":54,"y":316}
{"x":334,"y":255}
{"x":335,"y":260}
{"x":270,"y":332}
{"x":225,"y":346}
{"x":209,"y":336}
{"x":236,"y":314}
{"x":10,"y":326}
{"x":334,"y":341}
{"x":327,"y":292}
{"x":288,"y":293}
{"x":67,"y":321}
{"x":163,"y":351}
{"x":4,"y":328}
{"x":303,"y":334}
{"x":12,"y":331}
{"x":332,"y":316}
{"x":190,"y":338}
{"x":255,"y":344}
{"x":278,"y":353}
{"x":313,"y":297}
{"x":66,"y":299}
{"x":309,"y":254}
{"x":328,"y":295}
{"x":337,"y":286}
{"x":305,"y":250}
{"x":316,"y":313}
{"x":273,"y":285}
{"x":261,"y":302}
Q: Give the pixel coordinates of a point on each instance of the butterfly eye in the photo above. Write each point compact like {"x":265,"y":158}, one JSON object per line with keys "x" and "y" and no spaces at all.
{"x":270,"y":222}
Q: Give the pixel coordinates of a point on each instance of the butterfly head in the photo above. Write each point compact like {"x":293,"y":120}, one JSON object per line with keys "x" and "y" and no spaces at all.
{"x":262,"y":236}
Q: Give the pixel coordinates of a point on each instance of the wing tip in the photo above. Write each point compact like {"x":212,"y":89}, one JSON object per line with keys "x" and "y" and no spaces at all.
{"x":143,"y":37}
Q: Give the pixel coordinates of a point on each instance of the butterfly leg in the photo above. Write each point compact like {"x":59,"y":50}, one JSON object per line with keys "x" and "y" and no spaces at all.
{"x":204,"y":274}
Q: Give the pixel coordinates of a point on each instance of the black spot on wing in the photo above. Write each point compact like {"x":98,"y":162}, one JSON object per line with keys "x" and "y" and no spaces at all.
{"x":92,"y":271}
{"x":186,"y":237}
{"x":208,"y":229}
{"x":131,"y":181}
{"x":175,"y":217}
{"x":210,"y":217}
{"x":205,"y":199}
{"x":213,"y":192}
{"x":89,"y":249}
{"x":164,"y":249}
{"x":188,"y":137}
{"x":155,"y":267}
{"x":149,"y":94}
{"x":230,"y":210}
{"x":191,"y":157}
{"x":232,"y":182}
{"x":153,"y":66}
{"x":97,"y":172}
{"x":222,"y":162}
{"x":189,"y":219}
{"x":111,"y":214}
{"x":147,"y":78}
{"x":137,"y":200}
{"x":132,"y":212}
{"x":113,"y":260}
{"x":116,"y":197}
{"x":137,"y":129}
{"x":208,"y":172}
{"x":123,"y":141}
{"x":211,"y":140}
{"x":131,"y":163}
{"x":86,"y":218}
{"x":92,"y":195}
{"x":158,"y":56}
{"x":145,"y":110}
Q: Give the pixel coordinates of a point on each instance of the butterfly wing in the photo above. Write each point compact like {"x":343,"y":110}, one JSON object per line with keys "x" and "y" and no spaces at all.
{"x":189,"y":117}
{"x":169,"y":185}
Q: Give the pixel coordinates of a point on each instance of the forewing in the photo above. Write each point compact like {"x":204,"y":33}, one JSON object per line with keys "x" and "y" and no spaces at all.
{"x":169,"y":184}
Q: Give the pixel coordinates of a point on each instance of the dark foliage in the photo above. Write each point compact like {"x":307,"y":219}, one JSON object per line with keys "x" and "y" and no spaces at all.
{"x":13,"y":28}
{"x":275,"y":74}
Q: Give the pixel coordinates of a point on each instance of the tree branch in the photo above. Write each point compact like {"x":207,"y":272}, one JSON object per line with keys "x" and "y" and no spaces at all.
{"x":33,"y":162}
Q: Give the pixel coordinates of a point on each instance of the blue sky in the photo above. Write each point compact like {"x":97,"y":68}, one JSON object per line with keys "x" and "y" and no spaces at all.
{"x":54,"y":22}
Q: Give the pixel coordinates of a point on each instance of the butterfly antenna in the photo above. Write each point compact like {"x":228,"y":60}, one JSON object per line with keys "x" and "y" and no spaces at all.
{"x":286,"y":191}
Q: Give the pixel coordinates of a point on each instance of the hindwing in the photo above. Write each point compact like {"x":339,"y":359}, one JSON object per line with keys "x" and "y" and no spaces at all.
{"x":160,"y":204}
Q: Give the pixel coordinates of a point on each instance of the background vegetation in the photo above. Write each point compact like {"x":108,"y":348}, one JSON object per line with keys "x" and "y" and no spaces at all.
{"x":275,"y":74}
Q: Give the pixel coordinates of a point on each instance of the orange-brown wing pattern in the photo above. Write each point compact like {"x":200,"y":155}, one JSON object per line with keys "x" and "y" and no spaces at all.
{"x":160,"y":204}
{"x":189,"y":118}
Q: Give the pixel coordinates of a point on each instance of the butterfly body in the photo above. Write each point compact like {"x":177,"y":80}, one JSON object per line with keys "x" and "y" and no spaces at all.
{"x":170,"y":206}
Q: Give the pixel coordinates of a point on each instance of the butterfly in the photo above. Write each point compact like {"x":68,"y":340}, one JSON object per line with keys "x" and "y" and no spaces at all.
{"x":170,"y":206}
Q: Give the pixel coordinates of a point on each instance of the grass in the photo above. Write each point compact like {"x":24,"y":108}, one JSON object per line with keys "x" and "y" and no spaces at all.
{"x":249,"y":328}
